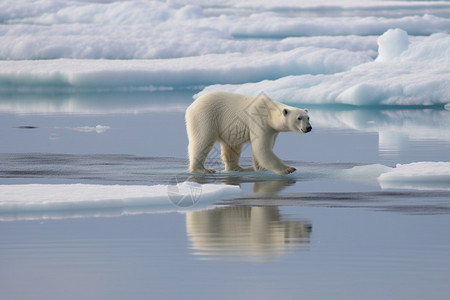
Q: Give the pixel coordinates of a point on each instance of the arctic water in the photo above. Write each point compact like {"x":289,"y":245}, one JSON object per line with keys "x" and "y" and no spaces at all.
{"x":95,"y":198}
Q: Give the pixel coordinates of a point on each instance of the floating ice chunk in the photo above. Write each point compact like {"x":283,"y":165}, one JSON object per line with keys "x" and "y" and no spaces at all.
{"x":41,"y":201}
{"x":98,"y":128}
{"x":391,"y":44}
{"x":419,"y":172}
{"x":418,"y":175}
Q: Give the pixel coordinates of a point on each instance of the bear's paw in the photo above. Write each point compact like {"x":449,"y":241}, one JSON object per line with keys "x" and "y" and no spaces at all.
{"x":288,"y":170}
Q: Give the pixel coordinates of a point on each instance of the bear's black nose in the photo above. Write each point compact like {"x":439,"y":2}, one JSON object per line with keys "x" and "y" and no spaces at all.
{"x":308,"y":129}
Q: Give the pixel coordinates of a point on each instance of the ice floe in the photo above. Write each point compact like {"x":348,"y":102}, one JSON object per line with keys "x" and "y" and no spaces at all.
{"x":42,"y":201}
{"x":418,"y":175}
{"x":425,"y":175}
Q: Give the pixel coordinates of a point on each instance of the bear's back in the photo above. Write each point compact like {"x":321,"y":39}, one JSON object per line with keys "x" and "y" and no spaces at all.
{"x":219,"y":106}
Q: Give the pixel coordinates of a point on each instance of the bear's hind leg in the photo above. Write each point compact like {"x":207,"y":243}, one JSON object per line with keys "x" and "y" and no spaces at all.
{"x":197,"y":157}
{"x":230,"y":156}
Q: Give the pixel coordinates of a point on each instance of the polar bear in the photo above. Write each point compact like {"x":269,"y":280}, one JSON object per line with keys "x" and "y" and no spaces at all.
{"x":234,"y":120}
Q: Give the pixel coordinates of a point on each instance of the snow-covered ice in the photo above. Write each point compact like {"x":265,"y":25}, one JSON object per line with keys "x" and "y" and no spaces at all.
{"x":392,"y":44}
{"x":418,"y":175}
{"x":94,"y":75}
{"x":154,"y":29}
{"x":418,"y":75}
{"x":351,"y":52}
{"x":419,"y":172}
{"x":40,"y":201}
{"x":53,"y":201}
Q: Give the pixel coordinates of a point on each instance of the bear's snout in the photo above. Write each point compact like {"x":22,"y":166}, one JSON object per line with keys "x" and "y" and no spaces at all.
{"x":308,"y":129}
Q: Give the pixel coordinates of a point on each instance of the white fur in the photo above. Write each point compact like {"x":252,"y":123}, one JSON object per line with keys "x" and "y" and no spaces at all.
{"x":234,"y":120}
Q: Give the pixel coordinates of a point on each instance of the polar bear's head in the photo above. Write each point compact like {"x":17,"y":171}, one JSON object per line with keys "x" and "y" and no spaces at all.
{"x":297,"y":120}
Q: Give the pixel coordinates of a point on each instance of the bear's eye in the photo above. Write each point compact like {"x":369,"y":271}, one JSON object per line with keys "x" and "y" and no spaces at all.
{"x":299,"y":118}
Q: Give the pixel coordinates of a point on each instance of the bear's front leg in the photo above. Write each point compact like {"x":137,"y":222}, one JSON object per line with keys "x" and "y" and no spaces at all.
{"x":289,"y":170}
{"x":265,"y":158}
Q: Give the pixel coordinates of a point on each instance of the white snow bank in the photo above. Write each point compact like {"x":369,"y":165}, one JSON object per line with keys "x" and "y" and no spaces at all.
{"x":418,"y":175}
{"x":41,"y":201}
{"x":187,"y":71}
{"x":420,"y":75}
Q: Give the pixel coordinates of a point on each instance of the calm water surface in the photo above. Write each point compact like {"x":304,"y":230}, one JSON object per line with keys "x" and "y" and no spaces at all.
{"x":317,"y":234}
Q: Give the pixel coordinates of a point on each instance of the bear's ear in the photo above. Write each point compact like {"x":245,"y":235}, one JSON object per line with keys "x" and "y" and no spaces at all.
{"x":306,"y":110}
{"x":285,"y":111}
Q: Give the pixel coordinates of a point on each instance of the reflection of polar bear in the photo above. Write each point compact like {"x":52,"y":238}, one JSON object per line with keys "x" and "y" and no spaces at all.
{"x":253,"y":232}
{"x":234,"y":120}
